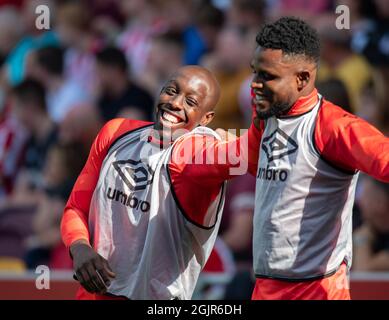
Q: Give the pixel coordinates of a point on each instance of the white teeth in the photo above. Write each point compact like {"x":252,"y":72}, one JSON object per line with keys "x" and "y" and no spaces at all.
{"x":259,"y":98}
{"x":169,"y":117}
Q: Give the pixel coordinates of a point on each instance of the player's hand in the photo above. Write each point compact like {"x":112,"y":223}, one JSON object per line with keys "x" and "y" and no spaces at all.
{"x":92,"y":270}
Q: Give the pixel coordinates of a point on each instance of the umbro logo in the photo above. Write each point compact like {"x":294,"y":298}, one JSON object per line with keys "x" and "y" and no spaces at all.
{"x":135,"y":174}
{"x":278,"y":145}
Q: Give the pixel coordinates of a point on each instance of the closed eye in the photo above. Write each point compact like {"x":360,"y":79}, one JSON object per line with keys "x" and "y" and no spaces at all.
{"x":266,"y":76}
{"x":170,"y":91}
{"x":191,"y":102}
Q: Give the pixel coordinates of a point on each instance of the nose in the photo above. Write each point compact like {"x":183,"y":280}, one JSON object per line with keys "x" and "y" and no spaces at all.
{"x":176,"y":102}
{"x":256,"y":85}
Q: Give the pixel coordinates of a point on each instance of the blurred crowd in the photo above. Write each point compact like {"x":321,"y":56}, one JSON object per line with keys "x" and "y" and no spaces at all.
{"x":102,"y":59}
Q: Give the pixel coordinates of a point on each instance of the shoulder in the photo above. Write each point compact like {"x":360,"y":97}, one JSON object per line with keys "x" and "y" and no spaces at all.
{"x":116,"y":128}
{"x":193,"y":147}
{"x":197,"y":138}
{"x":332,"y":118}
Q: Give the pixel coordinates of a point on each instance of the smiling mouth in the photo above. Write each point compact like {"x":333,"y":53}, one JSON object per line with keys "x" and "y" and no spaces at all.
{"x":170,"y":117}
{"x":258,"y":97}
{"x":259,"y":101}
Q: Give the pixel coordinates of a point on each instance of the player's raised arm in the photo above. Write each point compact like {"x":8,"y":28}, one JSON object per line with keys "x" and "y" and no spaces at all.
{"x":206,"y":159}
{"x":352,"y":143}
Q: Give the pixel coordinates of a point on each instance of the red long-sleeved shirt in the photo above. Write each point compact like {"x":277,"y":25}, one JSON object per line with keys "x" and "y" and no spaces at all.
{"x":195,"y":185}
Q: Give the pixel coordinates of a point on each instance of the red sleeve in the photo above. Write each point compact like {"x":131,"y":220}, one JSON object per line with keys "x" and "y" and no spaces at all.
{"x":351,"y":143}
{"x":200,"y":164}
{"x":74,"y":224}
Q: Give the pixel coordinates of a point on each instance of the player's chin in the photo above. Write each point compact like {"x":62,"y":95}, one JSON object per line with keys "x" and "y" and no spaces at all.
{"x":262,"y":107}
{"x":171,"y":131}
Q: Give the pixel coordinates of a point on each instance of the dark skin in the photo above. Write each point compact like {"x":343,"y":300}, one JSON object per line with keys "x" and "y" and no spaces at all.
{"x":186,"y":101}
{"x":280,"y":80}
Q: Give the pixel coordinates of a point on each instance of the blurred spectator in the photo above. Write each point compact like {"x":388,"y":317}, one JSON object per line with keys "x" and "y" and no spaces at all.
{"x":143,"y":21}
{"x":62,"y":94}
{"x":300,"y":8}
{"x":120,"y":97}
{"x":362,"y":12}
{"x":371,"y":240}
{"x":107,"y":20}
{"x":12,"y":143}
{"x":27,"y":102}
{"x":15,"y":225}
{"x":230,"y":62}
{"x":64,"y":163}
{"x":208,"y":21}
{"x":236,"y":230}
{"x":236,"y":225}
{"x":249,"y":14}
{"x":335,"y":91}
{"x":74,"y":30}
{"x":370,"y":29}
{"x":29,"y":106}
{"x":179,"y":18}
{"x":338,"y":61}
{"x":374,"y":101}
{"x":16,"y":3}
{"x":80,"y":125}
{"x":10,"y":32}
{"x":165,"y":57}
{"x":199,"y":23}
{"x":32,"y":39}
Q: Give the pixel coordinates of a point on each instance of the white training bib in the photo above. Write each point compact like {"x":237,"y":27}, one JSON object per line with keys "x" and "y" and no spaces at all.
{"x":303,"y":205}
{"x":136,"y":223}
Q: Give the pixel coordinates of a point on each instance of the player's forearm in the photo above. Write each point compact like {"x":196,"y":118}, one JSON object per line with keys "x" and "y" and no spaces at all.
{"x":74,"y":227}
{"x":234,"y":157}
{"x":206,"y":160}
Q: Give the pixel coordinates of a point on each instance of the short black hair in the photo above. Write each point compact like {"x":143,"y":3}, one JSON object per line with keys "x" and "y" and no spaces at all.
{"x":51,"y":58}
{"x":30,"y":90}
{"x":293,"y":36}
{"x":113,"y":57}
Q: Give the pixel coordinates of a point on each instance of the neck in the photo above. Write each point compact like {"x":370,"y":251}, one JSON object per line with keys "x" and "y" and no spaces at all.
{"x":157,"y":138}
{"x":304,"y":103}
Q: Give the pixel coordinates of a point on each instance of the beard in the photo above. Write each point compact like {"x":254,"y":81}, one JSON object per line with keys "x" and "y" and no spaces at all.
{"x":276,"y":109}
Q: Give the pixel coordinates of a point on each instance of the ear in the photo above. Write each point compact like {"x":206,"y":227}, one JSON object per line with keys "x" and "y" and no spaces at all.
{"x":207,"y":118}
{"x":302,"y":79}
